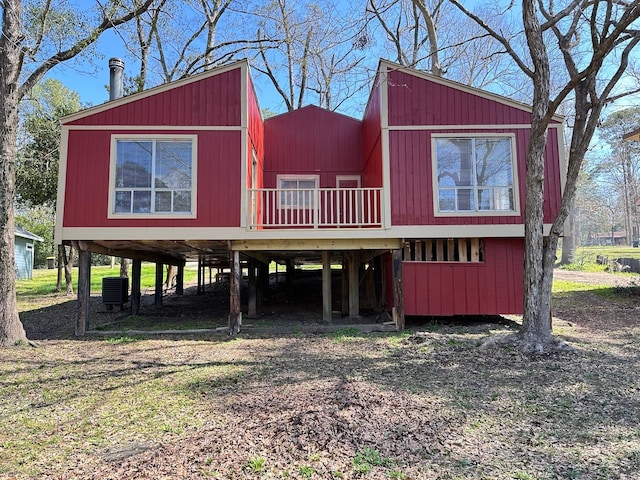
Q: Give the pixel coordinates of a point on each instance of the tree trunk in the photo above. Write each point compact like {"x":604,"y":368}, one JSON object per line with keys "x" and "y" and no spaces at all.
{"x":434,"y":50}
{"x":538,"y":274}
{"x":60,"y":268}
{"x":569,"y":238}
{"x":68,"y":266}
{"x":11,"y":329}
{"x":124,"y":267}
{"x":172,"y":271}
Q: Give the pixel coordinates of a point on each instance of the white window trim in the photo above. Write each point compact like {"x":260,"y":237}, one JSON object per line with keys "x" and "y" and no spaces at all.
{"x":153,"y":136}
{"x":348,"y":178}
{"x":476,"y":213}
{"x":315,"y":178}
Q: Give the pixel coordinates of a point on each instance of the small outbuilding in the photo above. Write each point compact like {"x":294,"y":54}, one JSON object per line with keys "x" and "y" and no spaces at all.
{"x":24,"y":252}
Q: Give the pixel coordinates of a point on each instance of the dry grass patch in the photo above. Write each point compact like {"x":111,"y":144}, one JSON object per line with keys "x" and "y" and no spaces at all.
{"x":423,"y":404}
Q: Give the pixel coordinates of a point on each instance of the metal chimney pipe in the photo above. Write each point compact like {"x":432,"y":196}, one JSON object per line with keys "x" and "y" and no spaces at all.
{"x":116,"y":82}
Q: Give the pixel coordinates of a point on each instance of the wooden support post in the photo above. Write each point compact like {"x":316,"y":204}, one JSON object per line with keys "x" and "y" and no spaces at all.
{"x":84,"y":292}
{"x":291,"y":270}
{"x":345,"y":285}
{"x":136,"y":274}
{"x":327,"y":310}
{"x":398,"y":302}
{"x":263,"y":282}
{"x":235,"y":315}
{"x":199,"y":289}
{"x":157,"y":299}
{"x":354,"y":285}
{"x":377,"y":283}
{"x":253,"y":288}
{"x":180,"y":280}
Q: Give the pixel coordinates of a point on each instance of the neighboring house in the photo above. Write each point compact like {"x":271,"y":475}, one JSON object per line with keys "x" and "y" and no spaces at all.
{"x":427,"y":191}
{"x":24,"y":251}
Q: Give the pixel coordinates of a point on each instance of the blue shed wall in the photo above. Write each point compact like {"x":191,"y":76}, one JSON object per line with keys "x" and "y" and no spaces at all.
{"x":24,"y":258}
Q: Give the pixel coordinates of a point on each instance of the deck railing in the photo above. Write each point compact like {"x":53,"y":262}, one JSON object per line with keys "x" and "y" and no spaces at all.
{"x":315,"y":208}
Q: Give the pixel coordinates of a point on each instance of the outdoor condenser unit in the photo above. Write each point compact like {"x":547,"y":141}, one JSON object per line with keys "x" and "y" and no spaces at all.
{"x":115,"y":291}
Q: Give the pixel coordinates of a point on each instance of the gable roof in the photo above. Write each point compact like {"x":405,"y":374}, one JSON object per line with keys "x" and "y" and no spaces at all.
{"x":152,"y":91}
{"x":21,"y":232}
{"x":386,"y":65}
{"x":312,"y":110}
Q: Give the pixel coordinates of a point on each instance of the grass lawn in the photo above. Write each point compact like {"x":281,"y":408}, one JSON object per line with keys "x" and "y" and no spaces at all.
{"x":422,"y":404}
{"x":44,"y":280}
{"x":584,"y":258}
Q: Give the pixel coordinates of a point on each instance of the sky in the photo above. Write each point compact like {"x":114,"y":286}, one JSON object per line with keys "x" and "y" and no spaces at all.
{"x":89,"y":77}
{"x":88,"y":80}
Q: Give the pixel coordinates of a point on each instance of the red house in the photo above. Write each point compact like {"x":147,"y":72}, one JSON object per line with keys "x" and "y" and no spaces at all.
{"x":427,"y":190}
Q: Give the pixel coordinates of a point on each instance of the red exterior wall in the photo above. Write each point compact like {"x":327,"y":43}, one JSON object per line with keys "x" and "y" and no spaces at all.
{"x":256,"y":134}
{"x":218,"y":182}
{"x":417,"y":101}
{"x":412,"y":195}
{"x":371,"y":140}
{"x":312,"y":140}
{"x":194,"y":104}
{"x":492,"y":287}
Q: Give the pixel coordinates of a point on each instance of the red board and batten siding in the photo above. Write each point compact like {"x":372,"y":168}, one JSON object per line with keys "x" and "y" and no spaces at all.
{"x":492,"y":287}
{"x":414,"y":100}
{"x":255,"y":134}
{"x":412,"y":185}
{"x":254,"y":120}
{"x":218,"y":182}
{"x":312,"y":141}
{"x":372,"y":140}
{"x":197,"y":103}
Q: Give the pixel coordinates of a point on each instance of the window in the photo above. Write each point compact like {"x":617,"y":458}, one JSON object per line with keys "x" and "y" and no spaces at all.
{"x":300,"y":191}
{"x":475,"y":175}
{"x":154,"y":176}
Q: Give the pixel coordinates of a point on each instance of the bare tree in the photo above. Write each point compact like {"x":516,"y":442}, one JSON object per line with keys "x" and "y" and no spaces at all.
{"x":433,"y":36}
{"x":25,"y":57}
{"x":591,"y":36}
{"x":622,"y":164}
{"x":308,"y":53}
{"x":173,"y":40}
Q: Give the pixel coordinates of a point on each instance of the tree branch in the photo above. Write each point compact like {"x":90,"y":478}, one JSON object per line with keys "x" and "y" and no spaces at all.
{"x":77,"y":48}
{"x":505,"y":43}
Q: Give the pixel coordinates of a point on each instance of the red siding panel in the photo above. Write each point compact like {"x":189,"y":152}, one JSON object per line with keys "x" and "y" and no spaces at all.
{"x":256,"y":134}
{"x":418,"y":101}
{"x":412,"y":185}
{"x":312,"y":141}
{"x":371,"y":140}
{"x":214,"y":100}
{"x":492,"y":287}
{"x":218,"y":182}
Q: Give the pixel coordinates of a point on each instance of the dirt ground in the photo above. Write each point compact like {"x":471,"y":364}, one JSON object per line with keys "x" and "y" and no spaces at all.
{"x":425,"y":404}
{"x":284,"y":309}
